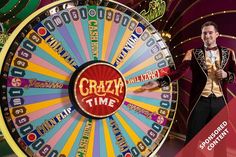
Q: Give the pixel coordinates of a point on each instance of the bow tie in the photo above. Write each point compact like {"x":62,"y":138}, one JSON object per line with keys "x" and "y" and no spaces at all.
{"x":211,"y":48}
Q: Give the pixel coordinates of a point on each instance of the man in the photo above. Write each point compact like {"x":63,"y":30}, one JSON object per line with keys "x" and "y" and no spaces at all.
{"x":213,"y":67}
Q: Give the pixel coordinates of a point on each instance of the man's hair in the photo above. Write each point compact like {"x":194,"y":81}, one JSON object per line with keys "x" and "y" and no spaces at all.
{"x":210,"y":23}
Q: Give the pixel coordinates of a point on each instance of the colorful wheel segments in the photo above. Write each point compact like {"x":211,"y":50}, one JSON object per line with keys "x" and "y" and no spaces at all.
{"x":71,"y":78}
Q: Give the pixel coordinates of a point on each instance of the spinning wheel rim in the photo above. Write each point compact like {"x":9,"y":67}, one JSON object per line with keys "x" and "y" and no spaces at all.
{"x":3,"y":55}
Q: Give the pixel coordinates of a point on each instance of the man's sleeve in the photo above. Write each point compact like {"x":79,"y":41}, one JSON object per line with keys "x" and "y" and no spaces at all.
{"x":179,"y":72}
{"x":232,"y":67}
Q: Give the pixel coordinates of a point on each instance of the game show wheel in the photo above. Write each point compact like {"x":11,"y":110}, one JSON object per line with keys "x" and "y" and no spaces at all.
{"x":70,"y":83}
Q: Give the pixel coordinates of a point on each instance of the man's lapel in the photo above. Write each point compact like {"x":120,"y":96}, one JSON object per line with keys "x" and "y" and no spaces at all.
{"x":200,"y":58}
{"x":224,"y":56}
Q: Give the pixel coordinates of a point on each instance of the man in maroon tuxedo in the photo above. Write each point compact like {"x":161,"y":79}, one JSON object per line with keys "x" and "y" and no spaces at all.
{"x":213,"y":67}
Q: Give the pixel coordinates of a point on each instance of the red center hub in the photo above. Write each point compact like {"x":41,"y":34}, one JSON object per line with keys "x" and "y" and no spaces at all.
{"x":99,"y":90}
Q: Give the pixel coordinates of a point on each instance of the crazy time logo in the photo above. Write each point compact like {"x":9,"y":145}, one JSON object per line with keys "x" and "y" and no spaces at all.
{"x":99,"y":90}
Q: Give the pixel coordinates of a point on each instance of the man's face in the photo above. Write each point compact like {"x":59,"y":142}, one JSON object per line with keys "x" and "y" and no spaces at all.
{"x":209,"y":35}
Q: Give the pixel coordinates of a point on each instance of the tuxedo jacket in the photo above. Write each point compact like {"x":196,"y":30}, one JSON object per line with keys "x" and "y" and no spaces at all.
{"x":199,"y":73}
